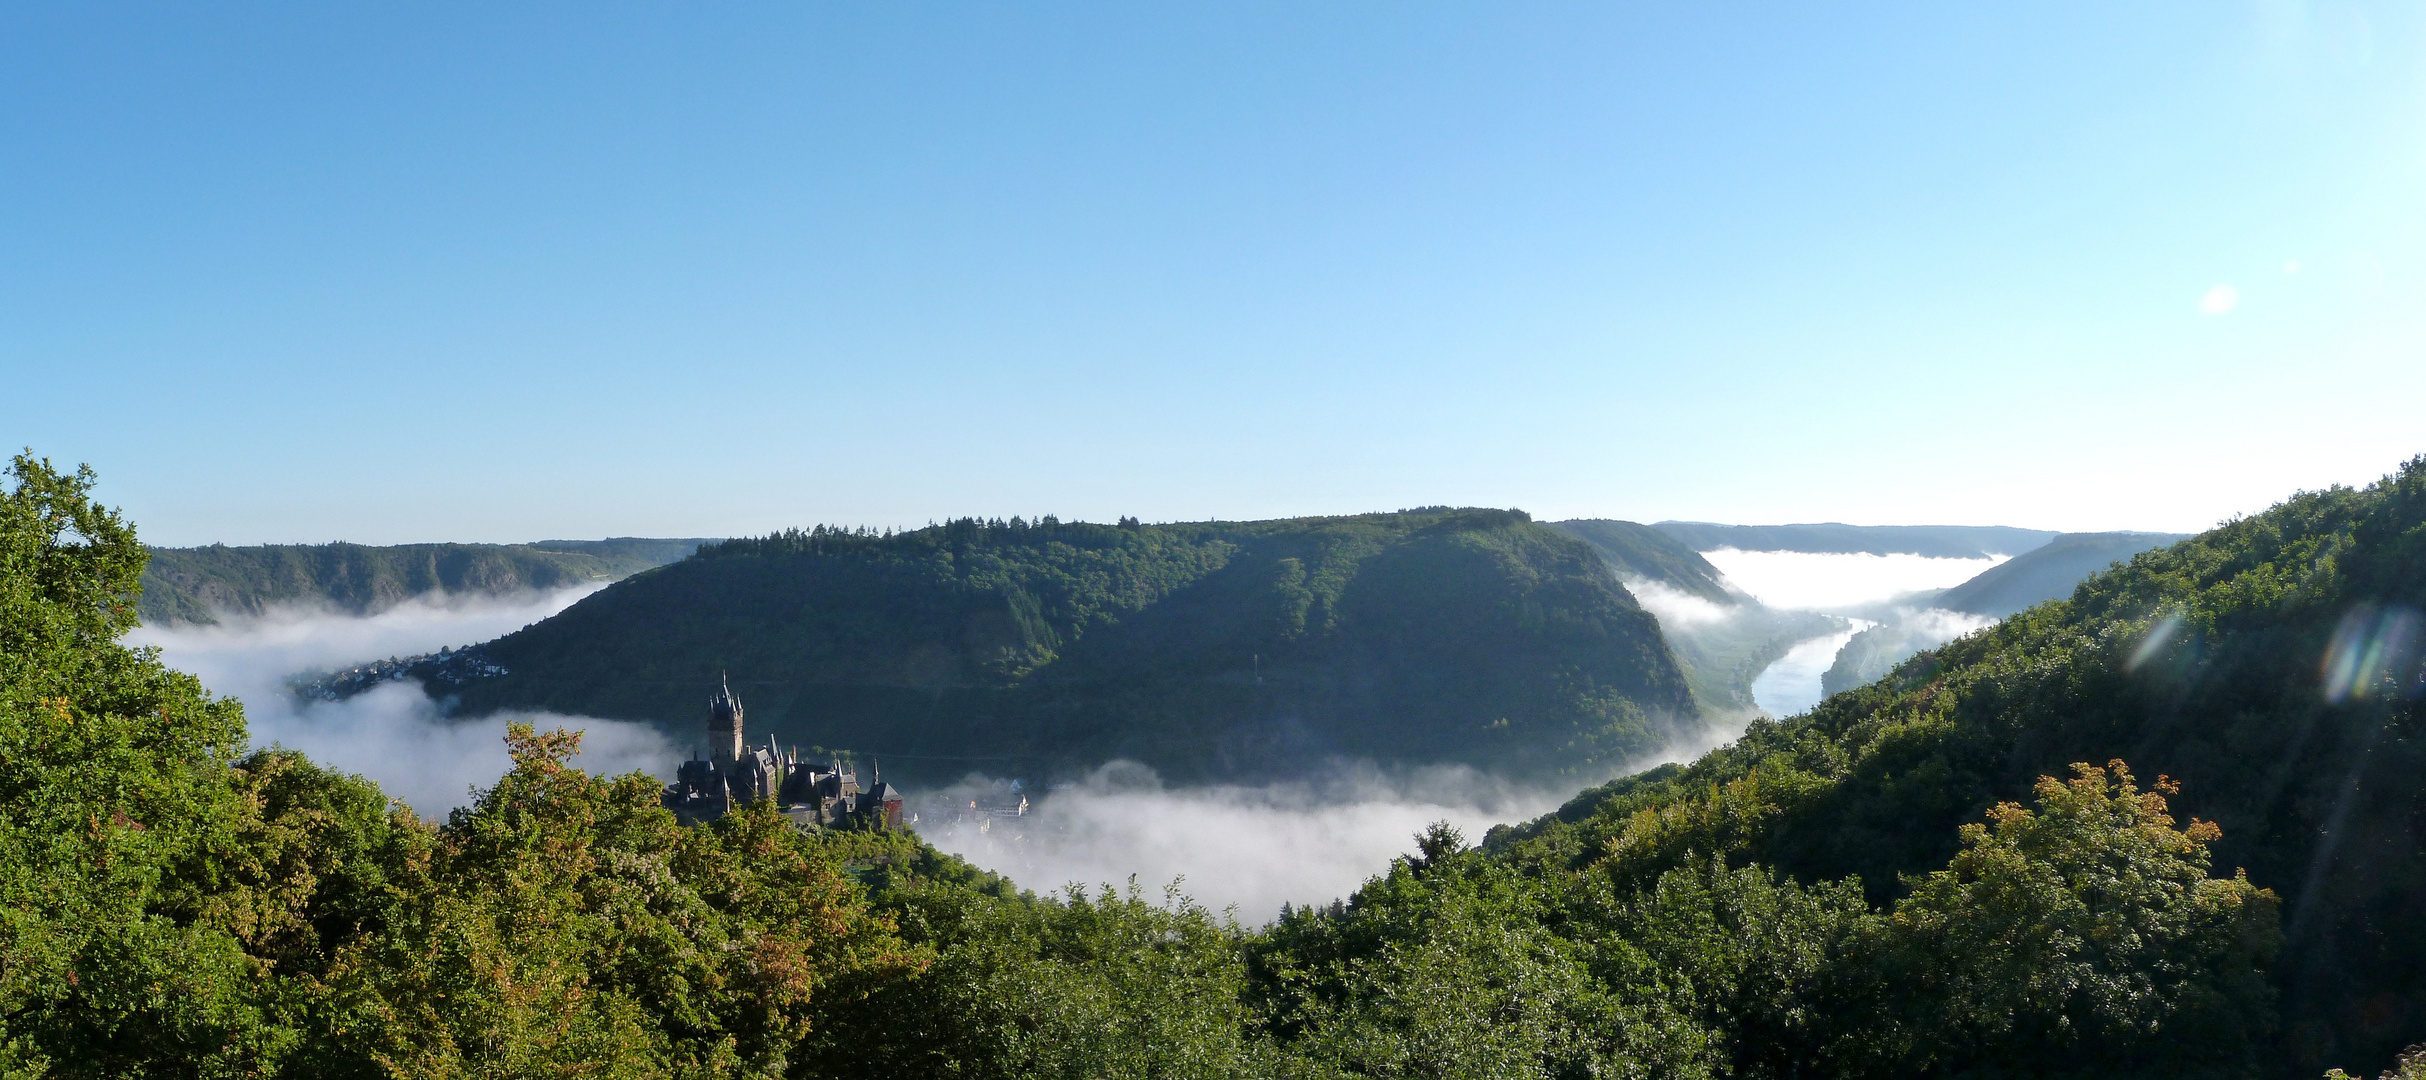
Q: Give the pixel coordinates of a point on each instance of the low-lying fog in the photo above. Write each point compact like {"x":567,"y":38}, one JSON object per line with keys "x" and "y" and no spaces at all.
{"x":1254,"y":847}
{"x":1834,"y":582}
{"x":393,"y":734}
{"x":1863,"y":590}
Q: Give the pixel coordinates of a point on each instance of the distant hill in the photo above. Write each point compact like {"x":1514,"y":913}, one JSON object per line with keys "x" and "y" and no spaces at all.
{"x":196,"y":585}
{"x":1210,"y":649}
{"x":1934,"y":541}
{"x":2049,"y":572}
{"x":1638,"y":551}
{"x":2046,"y":573}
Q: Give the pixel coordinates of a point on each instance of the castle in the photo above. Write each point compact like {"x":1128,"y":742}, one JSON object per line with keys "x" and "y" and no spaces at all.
{"x":734,"y":775}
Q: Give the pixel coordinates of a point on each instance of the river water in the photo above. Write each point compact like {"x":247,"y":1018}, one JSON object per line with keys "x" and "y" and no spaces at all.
{"x":1838,"y":584}
{"x":1792,"y":684}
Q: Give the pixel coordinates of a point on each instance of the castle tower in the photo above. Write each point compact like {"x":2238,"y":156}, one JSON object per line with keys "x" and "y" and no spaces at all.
{"x":724,"y":729}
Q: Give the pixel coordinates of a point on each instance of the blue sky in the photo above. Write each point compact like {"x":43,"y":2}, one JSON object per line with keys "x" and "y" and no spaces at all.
{"x":390,"y":272}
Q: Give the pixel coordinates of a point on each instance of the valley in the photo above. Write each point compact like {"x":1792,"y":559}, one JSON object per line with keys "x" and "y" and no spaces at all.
{"x":1841,"y":837}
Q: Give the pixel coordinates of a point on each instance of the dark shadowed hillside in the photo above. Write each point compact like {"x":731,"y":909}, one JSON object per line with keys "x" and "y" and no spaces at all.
{"x":199,"y":584}
{"x":1469,"y":636}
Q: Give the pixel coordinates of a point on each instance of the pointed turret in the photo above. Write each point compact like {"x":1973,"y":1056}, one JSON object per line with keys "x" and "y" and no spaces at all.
{"x":724,"y":726}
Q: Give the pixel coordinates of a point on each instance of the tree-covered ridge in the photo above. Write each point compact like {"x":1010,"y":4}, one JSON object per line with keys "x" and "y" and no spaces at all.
{"x":200,"y":584}
{"x":1200,"y":648}
{"x":2269,"y":666}
{"x":2083,"y":937}
{"x":1641,"y":553}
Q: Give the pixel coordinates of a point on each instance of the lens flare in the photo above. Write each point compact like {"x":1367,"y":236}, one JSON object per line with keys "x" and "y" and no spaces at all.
{"x":2374,"y":654}
{"x":2153,"y":646}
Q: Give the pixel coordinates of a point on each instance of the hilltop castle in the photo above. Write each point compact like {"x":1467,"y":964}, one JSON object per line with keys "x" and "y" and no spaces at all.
{"x":734,"y":775}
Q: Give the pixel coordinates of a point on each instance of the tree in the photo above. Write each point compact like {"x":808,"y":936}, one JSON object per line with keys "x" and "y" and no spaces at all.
{"x":119,"y":816}
{"x":2083,"y":938}
{"x":2410,"y":1066}
{"x":564,"y":923}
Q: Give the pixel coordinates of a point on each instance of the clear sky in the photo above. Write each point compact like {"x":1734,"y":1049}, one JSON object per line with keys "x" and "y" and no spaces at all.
{"x":390,"y":272}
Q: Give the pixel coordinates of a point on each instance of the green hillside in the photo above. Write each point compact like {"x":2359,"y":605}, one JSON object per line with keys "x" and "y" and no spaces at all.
{"x":199,"y":584}
{"x":1640,"y":552}
{"x":1871,"y":654}
{"x":2270,"y":667}
{"x":2049,"y":572}
{"x":2034,"y":577}
{"x":1469,"y":636}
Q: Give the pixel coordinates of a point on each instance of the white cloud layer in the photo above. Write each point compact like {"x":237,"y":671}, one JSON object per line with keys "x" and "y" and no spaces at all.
{"x":1929,"y":628}
{"x":1673,"y":607}
{"x":393,"y":734}
{"x":1830,"y":581}
{"x":1255,"y":847}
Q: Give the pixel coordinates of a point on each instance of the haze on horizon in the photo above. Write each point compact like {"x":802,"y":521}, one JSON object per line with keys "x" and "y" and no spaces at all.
{"x":459,"y":272}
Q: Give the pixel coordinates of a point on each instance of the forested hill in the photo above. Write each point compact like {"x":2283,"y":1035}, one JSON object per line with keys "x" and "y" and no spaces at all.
{"x":2271,"y":667}
{"x":1209,"y":649}
{"x":198,"y":584}
{"x":1640,"y":552}
{"x":1934,"y":541}
{"x":2046,"y":573}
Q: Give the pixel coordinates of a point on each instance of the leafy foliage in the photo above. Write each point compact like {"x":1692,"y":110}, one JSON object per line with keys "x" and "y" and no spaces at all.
{"x":1107,"y":985}
{"x":171,"y":908}
{"x":2088,"y":930}
{"x":2411,"y":1066}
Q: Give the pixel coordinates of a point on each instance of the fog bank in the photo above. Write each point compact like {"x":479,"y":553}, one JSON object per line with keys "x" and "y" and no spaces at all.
{"x":1249,"y":846}
{"x":1833,"y":581}
{"x":1675,"y":608}
{"x":392,"y":734}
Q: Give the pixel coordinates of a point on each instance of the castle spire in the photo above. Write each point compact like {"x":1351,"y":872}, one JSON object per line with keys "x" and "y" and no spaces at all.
{"x":724,"y":726}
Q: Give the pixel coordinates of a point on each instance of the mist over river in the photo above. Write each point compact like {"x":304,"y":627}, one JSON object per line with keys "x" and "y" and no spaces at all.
{"x":1860,"y":588}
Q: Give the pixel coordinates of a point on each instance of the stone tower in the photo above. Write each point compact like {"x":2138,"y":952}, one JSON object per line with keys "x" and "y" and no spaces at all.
{"x":724,"y":728}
